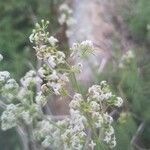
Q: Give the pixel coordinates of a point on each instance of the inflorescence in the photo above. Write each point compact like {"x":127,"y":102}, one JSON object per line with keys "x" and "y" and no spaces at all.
{"x":89,"y":122}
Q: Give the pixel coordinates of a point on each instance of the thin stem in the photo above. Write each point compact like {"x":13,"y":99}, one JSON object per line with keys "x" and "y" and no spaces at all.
{"x":75,"y":80}
{"x":90,"y":122}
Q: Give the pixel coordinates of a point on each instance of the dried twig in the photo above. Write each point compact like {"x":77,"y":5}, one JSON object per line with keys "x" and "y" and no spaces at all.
{"x":137,"y":134}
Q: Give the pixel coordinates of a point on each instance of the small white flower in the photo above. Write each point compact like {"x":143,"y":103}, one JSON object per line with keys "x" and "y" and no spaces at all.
{"x":9,"y":117}
{"x":11,"y":84}
{"x":65,"y":8}
{"x":42,"y":72}
{"x":56,"y":87}
{"x":77,"y":68}
{"x":31,"y":37}
{"x":29,"y":78}
{"x":118,"y":102}
{"x":87,"y":43}
{"x":74,"y":104}
{"x":126,"y":59}
{"x":40,"y":99}
{"x":64,"y":77}
{"x":4,"y":75}
{"x":110,"y":131}
{"x":107,"y":138}
{"x":94,"y":106}
{"x":47,"y":142}
{"x":99,"y":120}
{"x":130,"y":54}
{"x":53,"y":76}
{"x":51,"y":61}
{"x":92,"y":145}
{"x":108,"y":118}
{"x":26,"y":117}
{"x":62,"y":19}
{"x":108,"y":95}
{"x":60,"y":57}
{"x":52,"y":40}
{"x":113,"y":142}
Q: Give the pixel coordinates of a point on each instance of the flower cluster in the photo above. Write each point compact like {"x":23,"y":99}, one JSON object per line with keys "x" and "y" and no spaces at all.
{"x":8,"y":86}
{"x":82,"y":49}
{"x":88,"y":123}
{"x":126,"y":59}
{"x":21,"y":107}
{"x":30,"y":79}
{"x":15,"y":114}
{"x":86,"y":113}
{"x":75,"y":135}
{"x":49,"y":133}
{"x":94,"y":109}
{"x":66,"y":17}
{"x":52,"y":74}
{"x":9,"y":117}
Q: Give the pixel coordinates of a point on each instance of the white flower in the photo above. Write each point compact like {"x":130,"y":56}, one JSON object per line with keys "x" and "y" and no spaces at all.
{"x":4,"y":75}
{"x":26,"y":117}
{"x":52,"y":40}
{"x":118,"y":102}
{"x":108,"y":95}
{"x":11,"y":84}
{"x":92,"y":145}
{"x":64,"y":77}
{"x":55,"y":86}
{"x":40,"y":99}
{"x":62,"y":19}
{"x":84,"y":48}
{"x":51,"y":61}
{"x":42,"y":72}
{"x":87,"y":43}
{"x":53,"y":76}
{"x":60,"y":57}
{"x":95,"y":92}
{"x":94,"y":106}
{"x":126,"y":59}
{"x":9,"y":117}
{"x":77,"y":99}
{"x":23,"y":92}
{"x":77,"y":68}
{"x":31,"y":37}
{"x":107,"y":138}
{"x":99,"y":120}
{"x":65,"y":7}
{"x":108,"y":118}
{"x":130,"y":54}
{"x":74,"y":104}
{"x":110,"y":130}
{"x":30,"y":78}
{"x":47,"y":142}
{"x":113,"y":142}
{"x":103,"y":82}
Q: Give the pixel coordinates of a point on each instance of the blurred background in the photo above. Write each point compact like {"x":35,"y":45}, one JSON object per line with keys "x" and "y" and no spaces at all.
{"x":116,"y":27}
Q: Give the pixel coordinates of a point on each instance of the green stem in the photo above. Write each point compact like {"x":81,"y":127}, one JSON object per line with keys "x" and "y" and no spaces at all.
{"x":75,"y":82}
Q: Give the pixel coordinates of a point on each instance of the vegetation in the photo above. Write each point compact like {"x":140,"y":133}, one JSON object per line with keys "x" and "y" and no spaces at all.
{"x":17,"y":20}
{"x":128,"y":74}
